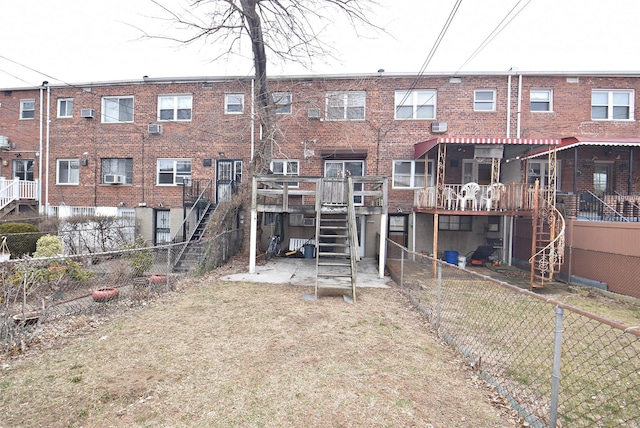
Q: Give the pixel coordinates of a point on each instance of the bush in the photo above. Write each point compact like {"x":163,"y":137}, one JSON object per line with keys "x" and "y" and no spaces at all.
{"x":21,"y":238}
{"x":142,"y":259}
{"x":48,"y":246}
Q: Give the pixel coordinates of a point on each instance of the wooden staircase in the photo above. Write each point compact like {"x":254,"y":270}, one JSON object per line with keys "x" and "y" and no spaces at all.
{"x":547,"y":243}
{"x":337,"y":246}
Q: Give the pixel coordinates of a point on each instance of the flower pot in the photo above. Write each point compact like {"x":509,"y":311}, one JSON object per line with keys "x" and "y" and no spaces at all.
{"x":158,"y":279}
{"x":105,"y":294}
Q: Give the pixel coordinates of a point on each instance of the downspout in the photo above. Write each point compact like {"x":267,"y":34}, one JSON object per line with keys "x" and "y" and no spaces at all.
{"x":519,"y":105}
{"x":509,"y":106}
{"x":253,"y":124}
{"x":630,"y":184}
{"x":46,"y":192}
{"x":41,"y":208}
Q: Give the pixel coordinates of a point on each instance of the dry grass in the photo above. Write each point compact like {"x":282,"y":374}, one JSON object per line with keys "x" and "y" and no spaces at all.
{"x":239,"y":354}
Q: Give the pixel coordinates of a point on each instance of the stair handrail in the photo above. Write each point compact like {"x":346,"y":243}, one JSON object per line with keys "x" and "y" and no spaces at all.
{"x":552,"y":254}
{"x":601,"y":201}
{"x":191,"y":232}
{"x":354,"y":250}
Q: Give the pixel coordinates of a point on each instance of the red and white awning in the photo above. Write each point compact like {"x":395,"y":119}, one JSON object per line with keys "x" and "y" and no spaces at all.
{"x":571,"y":142}
{"x":419,"y":149}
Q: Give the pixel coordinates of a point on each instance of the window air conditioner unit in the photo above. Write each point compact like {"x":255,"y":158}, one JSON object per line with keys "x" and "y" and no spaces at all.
{"x":114,"y":179}
{"x":4,"y":143}
{"x":87,"y":112}
{"x":313,"y":113}
{"x":296,"y":219}
{"x":154,"y":128}
{"x":309,"y":221}
{"x":438,"y":127}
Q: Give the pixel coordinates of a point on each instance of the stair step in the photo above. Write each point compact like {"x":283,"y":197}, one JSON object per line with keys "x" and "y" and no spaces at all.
{"x":335,"y":263}
{"x":333,"y":254}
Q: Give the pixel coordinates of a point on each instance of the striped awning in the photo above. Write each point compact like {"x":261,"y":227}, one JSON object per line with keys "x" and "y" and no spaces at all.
{"x":571,"y":142}
{"x":419,"y":149}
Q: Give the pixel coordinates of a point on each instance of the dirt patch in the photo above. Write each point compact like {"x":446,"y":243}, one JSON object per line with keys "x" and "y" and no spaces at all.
{"x":240,"y":354}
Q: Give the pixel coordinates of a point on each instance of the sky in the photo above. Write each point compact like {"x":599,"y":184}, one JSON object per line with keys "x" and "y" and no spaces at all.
{"x":80,"y":41}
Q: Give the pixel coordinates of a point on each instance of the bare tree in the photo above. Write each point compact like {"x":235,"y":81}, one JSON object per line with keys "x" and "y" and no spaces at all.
{"x":286,"y":30}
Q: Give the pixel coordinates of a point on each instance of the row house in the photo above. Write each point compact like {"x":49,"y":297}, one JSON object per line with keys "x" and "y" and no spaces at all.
{"x":151,"y":147}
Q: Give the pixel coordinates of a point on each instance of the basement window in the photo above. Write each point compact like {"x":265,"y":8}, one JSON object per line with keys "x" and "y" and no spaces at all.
{"x":455,"y":222}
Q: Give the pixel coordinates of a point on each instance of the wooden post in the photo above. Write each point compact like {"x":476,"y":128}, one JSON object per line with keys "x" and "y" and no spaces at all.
{"x":534,"y":233}
{"x":435,"y":242}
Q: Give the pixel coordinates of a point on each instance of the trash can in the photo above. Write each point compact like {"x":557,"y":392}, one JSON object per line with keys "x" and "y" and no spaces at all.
{"x":462,"y":261}
{"x":308,"y":251}
{"x":451,"y":257}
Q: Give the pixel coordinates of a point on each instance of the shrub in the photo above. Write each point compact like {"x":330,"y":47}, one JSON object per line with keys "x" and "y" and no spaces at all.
{"x":21,"y":238}
{"x":48,"y":246}
{"x":142,"y":258}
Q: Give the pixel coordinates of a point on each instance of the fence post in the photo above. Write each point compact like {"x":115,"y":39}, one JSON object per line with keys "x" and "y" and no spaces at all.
{"x":555,"y":380}
{"x":401,"y":267}
{"x":439,"y":288}
{"x":168,"y":267}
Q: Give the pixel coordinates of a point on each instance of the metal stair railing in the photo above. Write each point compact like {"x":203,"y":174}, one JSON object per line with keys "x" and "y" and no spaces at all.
{"x":354,"y":253}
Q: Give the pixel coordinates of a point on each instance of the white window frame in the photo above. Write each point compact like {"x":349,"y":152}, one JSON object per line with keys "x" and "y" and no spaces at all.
{"x":283,"y":101}
{"x":176,"y":104}
{"x":27,"y":108}
{"x":229,"y":102}
{"x":538,"y":170}
{"x":419,"y":100}
{"x":124,"y":166}
{"x":412,"y":176}
{"x":178,"y":170}
{"x":346,"y":105}
{"x":610,"y":105}
{"x":72,"y":179}
{"x":109,"y":113}
{"x":477,"y":103}
{"x":541,"y":97}
{"x":65,"y":107}
{"x":285,"y":169}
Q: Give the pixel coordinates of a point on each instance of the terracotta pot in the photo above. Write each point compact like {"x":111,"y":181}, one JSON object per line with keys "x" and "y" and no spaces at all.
{"x":105,"y":294}
{"x":158,"y":279}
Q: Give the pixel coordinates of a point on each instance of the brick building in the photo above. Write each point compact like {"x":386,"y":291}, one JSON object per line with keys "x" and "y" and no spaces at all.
{"x":125,"y":148}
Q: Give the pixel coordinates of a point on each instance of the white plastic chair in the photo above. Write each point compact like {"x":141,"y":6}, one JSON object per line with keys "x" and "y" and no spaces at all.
{"x":494,"y":192}
{"x":469,"y":193}
{"x":450,"y":197}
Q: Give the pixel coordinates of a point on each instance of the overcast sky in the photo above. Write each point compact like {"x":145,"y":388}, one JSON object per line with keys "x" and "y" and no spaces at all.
{"x":77,"y":41}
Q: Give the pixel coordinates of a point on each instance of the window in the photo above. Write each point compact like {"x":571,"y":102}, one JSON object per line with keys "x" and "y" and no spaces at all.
{"x":65,"y":107}
{"x":455,"y":222}
{"x":27,"y":109}
{"x":68,"y":171}
{"x":612,"y":105}
{"x":175,"y":107}
{"x":234,"y":103}
{"x":121,"y":167}
{"x":117,"y":109}
{"x":173,"y":171}
{"x":283,"y":102}
{"x":286,"y":167}
{"x":484,"y":100}
{"x":409,"y":174}
{"x":416,"y":104}
{"x":346,"y":105}
{"x":538,"y":170}
{"x":541,"y":100}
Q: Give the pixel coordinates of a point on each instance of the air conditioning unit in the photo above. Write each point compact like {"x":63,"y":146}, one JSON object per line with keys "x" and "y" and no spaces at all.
{"x":309,"y":221}
{"x":87,"y":112}
{"x":114,"y":179}
{"x":296,"y":219}
{"x":313,"y":113}
{"x":4,"y":143}
{"x":154,"y":128}
{"x":438,"y":127}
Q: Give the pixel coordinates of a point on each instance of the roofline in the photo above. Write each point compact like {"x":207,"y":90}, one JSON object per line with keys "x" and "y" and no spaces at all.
{"x":381,"y":74}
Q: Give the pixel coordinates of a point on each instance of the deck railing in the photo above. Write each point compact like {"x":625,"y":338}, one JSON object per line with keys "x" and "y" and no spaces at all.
{"x":510,"y":197}
{"x":589,"y":206}
{"x":16,"y":189}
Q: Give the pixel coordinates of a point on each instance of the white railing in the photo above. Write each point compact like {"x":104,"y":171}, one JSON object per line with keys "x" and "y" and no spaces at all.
{"x":510,"y":197}
{"x":16,"y":189}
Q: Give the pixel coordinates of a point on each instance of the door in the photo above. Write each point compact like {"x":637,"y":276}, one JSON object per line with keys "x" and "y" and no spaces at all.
{"x":602,"y":178}
{"x":228,"y":178}
{"x":23,"y":169}
{"x":398,"y":233}
{"x":476,"y":171}
{"x":162,"y":227}
{"x":340,"y":168}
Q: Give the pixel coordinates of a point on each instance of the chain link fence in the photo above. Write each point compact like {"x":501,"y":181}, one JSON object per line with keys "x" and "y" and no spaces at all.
{"x":557,"y":365}
{"x":38,"y":293}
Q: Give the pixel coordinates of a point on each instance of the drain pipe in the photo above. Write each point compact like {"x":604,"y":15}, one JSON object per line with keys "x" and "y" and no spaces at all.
{"x":41,"y":208}
{"x":519,"y":105}
{"x":253,"y":119}
{"x":46,"y":194}
{"x":509,"y":105}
